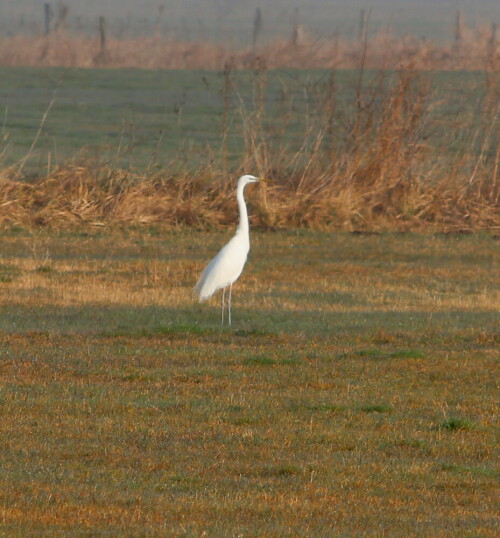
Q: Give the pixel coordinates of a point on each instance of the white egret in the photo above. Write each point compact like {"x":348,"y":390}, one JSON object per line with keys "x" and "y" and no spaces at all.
{"x":228,"y":264}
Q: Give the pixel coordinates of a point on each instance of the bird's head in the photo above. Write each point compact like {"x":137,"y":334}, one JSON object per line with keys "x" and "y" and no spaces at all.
{"x":244,"y":180}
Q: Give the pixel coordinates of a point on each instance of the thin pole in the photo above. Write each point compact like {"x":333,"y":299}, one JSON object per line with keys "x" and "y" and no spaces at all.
{"x":492,"y":43}
{"x":457,"y":45}
{"x":362,"y":25}
{"x":47,"y":16}
{"x":102,"y":35}
{"x":296,"y":28}
{"x":257,"y":27}
{"x":458,"y":27}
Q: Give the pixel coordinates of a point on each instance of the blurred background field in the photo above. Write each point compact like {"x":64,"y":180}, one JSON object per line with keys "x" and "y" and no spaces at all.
{"x":206,"y":35}
{"x":135,"y":118}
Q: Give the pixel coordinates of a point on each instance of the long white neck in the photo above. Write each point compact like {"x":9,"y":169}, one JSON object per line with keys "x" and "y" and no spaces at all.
{"x":243,"y":225}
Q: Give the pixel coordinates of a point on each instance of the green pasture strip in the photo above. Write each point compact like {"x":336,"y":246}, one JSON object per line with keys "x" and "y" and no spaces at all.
{"x":150,"y":119}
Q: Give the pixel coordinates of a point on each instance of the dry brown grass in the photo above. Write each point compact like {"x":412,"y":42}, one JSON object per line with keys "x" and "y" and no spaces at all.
{"x":476,"y":50}
{"x":78,"y":196}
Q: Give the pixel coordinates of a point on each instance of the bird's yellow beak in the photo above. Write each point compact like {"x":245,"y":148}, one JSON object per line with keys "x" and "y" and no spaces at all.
{"x":265,"y":180}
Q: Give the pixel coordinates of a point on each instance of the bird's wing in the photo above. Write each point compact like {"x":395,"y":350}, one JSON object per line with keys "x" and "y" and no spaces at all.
{"x":223,"y":269}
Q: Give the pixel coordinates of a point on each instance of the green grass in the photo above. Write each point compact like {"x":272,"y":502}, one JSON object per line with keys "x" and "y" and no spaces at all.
{"x":456,"y":423}
{"x":376,"y":408}
{"x":154,"y":119}
{"x":354,"y":396}
{"x":259,"y":361}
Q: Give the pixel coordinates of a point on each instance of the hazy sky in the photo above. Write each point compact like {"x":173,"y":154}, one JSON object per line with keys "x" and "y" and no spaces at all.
{"x":232,"y":19}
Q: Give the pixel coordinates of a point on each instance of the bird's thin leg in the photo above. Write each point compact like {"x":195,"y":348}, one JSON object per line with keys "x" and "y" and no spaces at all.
{"x":222,"y":306}
{"x":229,"y":303}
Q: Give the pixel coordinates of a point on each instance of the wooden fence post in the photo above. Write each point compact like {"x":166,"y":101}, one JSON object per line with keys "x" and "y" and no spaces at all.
{"x":159,"y":20}
{"x":47,"y":10}
{"x":257,"y":27}
{"x":296,"y":28}
{"x":102,"y":36}
{"x":62,"y":14}
{"x":458,"y":34}
{"x":492,"y":43}
{"x":362,"y":25}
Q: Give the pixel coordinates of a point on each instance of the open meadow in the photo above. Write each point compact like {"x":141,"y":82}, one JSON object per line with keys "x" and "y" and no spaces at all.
{"x":179,"y":120}
{"x":355,"y":394}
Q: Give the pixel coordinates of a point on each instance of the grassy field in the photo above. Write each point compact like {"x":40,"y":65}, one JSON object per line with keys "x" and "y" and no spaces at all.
{"x":354,"y":396}
{"x":178,"y":119}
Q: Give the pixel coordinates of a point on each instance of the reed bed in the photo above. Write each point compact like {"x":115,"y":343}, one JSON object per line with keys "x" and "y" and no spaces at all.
{"x":76,"y":196}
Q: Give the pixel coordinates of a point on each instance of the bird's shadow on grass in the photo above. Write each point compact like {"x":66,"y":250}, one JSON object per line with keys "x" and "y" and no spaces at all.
{"x":124,"y":320}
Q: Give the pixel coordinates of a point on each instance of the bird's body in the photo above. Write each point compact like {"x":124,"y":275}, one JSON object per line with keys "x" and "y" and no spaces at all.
{"x":228,"y":264}
{"x":225,"y":268}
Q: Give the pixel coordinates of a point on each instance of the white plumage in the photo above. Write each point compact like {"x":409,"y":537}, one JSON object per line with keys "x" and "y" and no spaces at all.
{"x":228,"y":264}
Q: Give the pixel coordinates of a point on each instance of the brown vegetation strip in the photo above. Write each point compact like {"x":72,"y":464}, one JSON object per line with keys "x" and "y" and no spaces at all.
{"x":76,"y":196}
{"x":476,"y":49}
